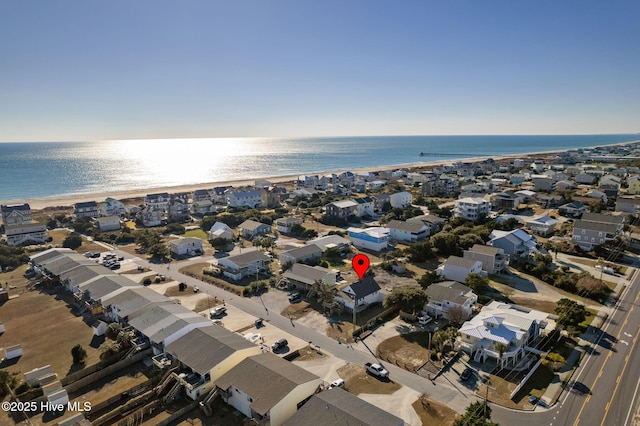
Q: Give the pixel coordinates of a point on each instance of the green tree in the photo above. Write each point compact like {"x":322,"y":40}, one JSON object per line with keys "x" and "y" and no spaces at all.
{"x":570,"y":312}
{"x":477,"y":414}
{"x":160,"y":251}
{"x":430,"y":277}
{"x":477,"y":283}
{"x":78,"y":354}
{"x":73,"y":241}
{"x":420,"y":251}
{"x":112,"y":330}
{"x":501,"y":348}
{"x":439,"y":338}
{"x":408,"y":299}
{"x":8,"y":381}
{"x":109,"y":349}
{"x":553,"y":361}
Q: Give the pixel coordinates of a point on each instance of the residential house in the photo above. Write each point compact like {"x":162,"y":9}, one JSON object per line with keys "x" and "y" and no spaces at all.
{"x":189,"y":246}
{"x":209,"y":352}
{"x":202,"y":195}
{"x":526,"y":195}
{"x":305,"y":193}
{"x":219,"y":194}
{"x":245,"y":264}
{"x":564,"y":185}
{"x":493,"y":259}
{"x":628,"y":205}
{"x":590,"y":234}
{"x":549,"y":201}
{"x":112,"y":207}
{"x":273,"y":196}
{"x":152,"y":216}
{"x":337,"y":407}
{"x":542,"y":225}
{"x":285,"y":224}
{"x":28,"y":233}
{"x":505,"y":200}
{"x":618,"y":220}
{"x":501,"y":323}
{"x":251,"y":229}
{"x":73,"y":278}
{"x":342,"y":209}
{"x":610,"y":184}
{"x":598,"y":195}
{"x":447,"y":295}
{"x":434,"y":222}
{"x":401,"y":200}
{"x":16,"y":214}
{"x":304,"y":277}
{"x":306,"y":254}
{"x":516,"y":244}
{"x":364,"y":207}
{"x":108,"y":223}
{"x":409,"y":231}
{"x":118,"y":307}
{"x":331,"y":241}
{"x":202,"y":207}
{"x":161,"y":324}
{"x":543,"y":183}
{"x":585,"y":178}
{"x":374,"y":238}
{"x":179,"y":209}
{"x":457,"y":268}
{"x":471,"y":208}
{"x":314,"y":181}
{"x":361,"y":294}
{"x":633,"y":183}
{"x":87,"y":209}
{"x":220,"y":230}
{"x":573,"y":209}
{"x":159,"y":201}
{"x":379,"y":202}
{"x":98,"y":288}
{"x":249,"y":198}
{"x":267,"y":388}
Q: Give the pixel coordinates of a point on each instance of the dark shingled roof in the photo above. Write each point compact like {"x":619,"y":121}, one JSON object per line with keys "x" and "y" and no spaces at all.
{"x":337,"y":407}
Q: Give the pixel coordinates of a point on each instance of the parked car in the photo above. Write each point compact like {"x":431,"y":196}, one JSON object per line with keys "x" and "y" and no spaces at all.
{"x":424,"y":320}
{"x":279,"y":344}
{"x":466,"y":374}
{"x":294,"y":296}
{"x":338,"y":383}
{"x":218,"y":311}
{"x":376,"y":370}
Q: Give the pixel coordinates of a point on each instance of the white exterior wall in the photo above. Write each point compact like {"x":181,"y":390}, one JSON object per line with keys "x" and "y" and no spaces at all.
{"x":401,"y":200}
{"x":287,"y":407}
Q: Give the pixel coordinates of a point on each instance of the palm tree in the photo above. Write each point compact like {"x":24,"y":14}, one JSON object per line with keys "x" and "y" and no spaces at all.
{"x":109,"y":349}
{"x":323,"y":292}
{"x":501,"y":348}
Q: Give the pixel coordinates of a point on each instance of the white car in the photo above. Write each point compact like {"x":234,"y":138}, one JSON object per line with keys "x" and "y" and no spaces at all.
{"x":423,"y":320}
{"x":338,"y":383}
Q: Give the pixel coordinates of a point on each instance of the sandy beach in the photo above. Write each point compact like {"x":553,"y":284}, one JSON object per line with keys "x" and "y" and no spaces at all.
{"x":70,"y":200}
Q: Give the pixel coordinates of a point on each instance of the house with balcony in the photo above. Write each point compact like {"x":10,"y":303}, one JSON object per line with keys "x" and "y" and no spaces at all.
{"x":252,"y":229}
{"x":112,"y":207}
{"x":409,"y":231}
{"x":202,"y":207}
{"x":516,"y":244}
{"x":633,"y":183}
{"x":219,"y":194}
{"x":573,"y":209}
{"x":303,"y":276}
{"x":306,"y":254}
{"x":360,"y":294}
{"x":590,"y":234}
{"x":16,"y":214}
{"x":541,"y":225}
{"x":158,"y":201}
{"x":516,"y":327}
{"x":400,"y":200}
{"x":285,"y":224}
{"x":342,"y":209}
{"x":202,"y":195}
{"x":506,"y":200}
{"x":121,"y":305}
{"x":457,"y":268}
{"x":471,"y":208}
{"x":447,"y":295}
{"x":267,"y":388}
{"x":152,"y":216}
{"x":108,"y":223}
{"x":179,"y":209}
{"x":316,"y":182}
{"x":27,"y":233}
{"x":87,"y":209}
{"x":493,"y":259}
{"x":364,"y":206}
{"x":374,"y":238}
{"x":339,"y":407}
{"x":618,"y":220}
{"x":247,"y":198}
{"x":209,"y":352}
{"x":245,"y":264}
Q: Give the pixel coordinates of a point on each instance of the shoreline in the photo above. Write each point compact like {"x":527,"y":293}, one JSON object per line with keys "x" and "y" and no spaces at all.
{"x":67,"y":201}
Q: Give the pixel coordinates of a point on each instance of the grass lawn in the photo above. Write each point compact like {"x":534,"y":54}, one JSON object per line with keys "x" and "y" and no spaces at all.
{"x":196,"y":233}
{"x":58,"y":236}
{"x":432,"y":412}
{"x":536,"y":385}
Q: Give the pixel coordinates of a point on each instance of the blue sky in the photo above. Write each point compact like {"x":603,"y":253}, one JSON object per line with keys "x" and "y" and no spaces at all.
{"x":94,"y":70}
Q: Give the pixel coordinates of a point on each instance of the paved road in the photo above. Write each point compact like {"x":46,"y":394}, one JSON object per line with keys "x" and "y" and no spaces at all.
{"x":606,"y":374}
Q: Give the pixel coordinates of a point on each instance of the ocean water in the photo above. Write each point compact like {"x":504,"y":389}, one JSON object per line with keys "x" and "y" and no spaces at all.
{"x":46,"y":169}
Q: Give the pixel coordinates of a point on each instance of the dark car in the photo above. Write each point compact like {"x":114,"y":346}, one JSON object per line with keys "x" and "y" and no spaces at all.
{"x":466,"y":374}
{"x":279,"y":344}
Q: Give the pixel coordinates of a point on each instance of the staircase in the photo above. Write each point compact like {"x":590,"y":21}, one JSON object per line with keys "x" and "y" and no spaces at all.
{"x":173,"y":392}
{"x":205,"y":404}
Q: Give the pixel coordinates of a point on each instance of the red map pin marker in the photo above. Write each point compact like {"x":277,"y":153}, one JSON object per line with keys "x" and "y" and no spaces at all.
{"x":360,"y":264}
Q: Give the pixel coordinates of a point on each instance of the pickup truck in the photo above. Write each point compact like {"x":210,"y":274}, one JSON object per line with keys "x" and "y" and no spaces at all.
{"x":376,"y":370}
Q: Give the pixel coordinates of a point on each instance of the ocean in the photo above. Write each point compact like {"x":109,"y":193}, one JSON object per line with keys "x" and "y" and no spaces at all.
{"x":47,"y":169}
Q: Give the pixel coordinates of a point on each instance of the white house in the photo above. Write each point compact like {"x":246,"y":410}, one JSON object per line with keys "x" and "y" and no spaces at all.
{"x":374,"y":238}
{"x":202,"y":207}
{"x":285,"y":224}
{"x":28,"y":233}
{"x":158,"y":201}
{"x":360,"y":294}
{"x":471,"y":208}
{"x":267,"y":388}
{"x":188,"y":246}
{"x":400,"y":199}
{"x":501,"y":323}
{"x":493,"y":258}
{"x":457,"y":268}
{"x":251,"y":228}
{"x":220,"y":230}
{"x":241,"y":265}
{"x":331,"y":241}
{"x":108,"y":223}
{"x":252,"y":198}
{"x":541,"y":225}
{"x":307,"y":253}
{"x":446,"y":295}
{"x":410,"y":231}
{"x":111,"y":207}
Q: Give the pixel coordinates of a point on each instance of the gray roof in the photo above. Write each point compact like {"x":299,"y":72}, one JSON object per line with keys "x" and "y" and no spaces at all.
{"x":251,"y":225}
{"x":82,"y":274}
{"x":306,"y":274}
{"x":67,"y":262}
{"x":133,"y":299}
{"x":12,"y":207}
{"x":303,"y":251}
{"x":337,"y":407}
{"x":203,"y":348}
{"x":481,"y":248}
{"x":449,"y":290}
{"x":414,"y":227}
{"x":460,"y":261}
{"x":363,"y":288}
{"x":101,"y":286}
{"x":50,"y":254}
{"x":158,"y":322}
{"x":267,"y":379}
{"x":602,"y":218}
{"x":247,"y":258}
{"x":611,"y":228}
